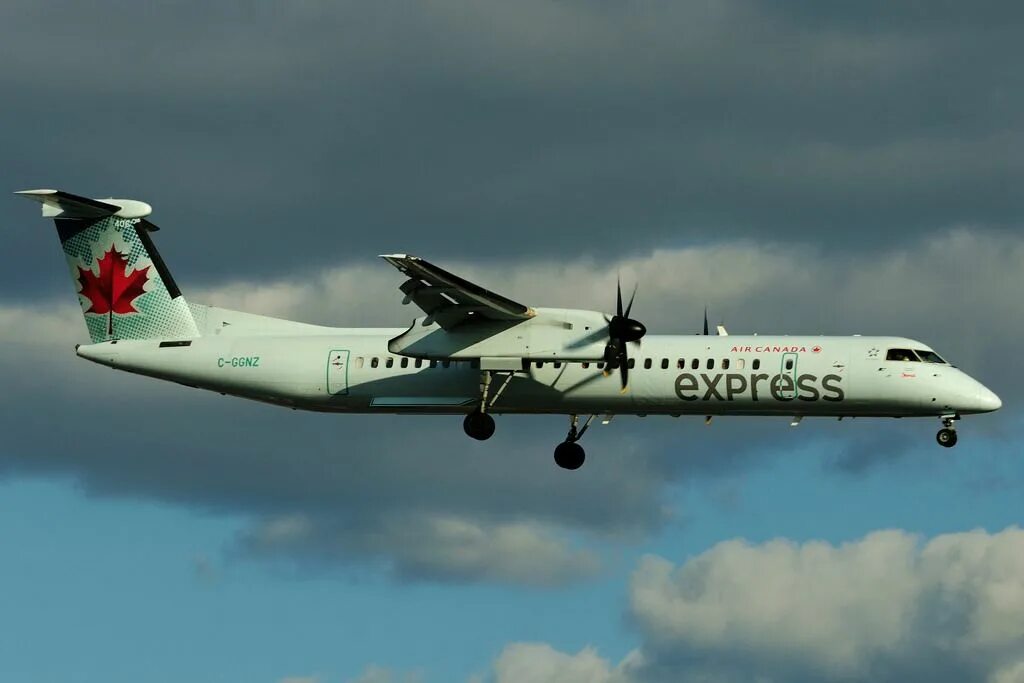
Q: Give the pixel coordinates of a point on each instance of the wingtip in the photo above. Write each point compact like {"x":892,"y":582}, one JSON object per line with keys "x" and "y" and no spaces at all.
{"x":41,"y":191}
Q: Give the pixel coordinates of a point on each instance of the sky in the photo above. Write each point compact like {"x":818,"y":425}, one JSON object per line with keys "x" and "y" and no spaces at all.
{"x":796,"y":167}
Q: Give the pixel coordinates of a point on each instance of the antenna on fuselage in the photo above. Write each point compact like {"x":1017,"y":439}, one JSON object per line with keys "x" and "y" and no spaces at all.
{"x":705,"y":320}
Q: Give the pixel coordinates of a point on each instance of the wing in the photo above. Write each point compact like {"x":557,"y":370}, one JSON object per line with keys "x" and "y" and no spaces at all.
{"x":449,"y":300}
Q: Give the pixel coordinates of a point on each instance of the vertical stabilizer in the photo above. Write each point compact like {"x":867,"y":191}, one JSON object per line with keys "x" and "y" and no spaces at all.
{"x":123,"y":285}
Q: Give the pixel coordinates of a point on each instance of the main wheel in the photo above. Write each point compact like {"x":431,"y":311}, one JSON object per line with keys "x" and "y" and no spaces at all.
{"x":946,"y":437}
{"x":569,"y":455}
{"x":479,"y":425}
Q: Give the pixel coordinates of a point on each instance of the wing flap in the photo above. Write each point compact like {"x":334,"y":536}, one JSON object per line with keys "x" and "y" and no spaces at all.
{"x":448,"y":299}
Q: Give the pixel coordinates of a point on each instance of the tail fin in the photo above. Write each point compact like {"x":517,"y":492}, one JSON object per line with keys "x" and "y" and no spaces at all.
{"x":125,"y":290}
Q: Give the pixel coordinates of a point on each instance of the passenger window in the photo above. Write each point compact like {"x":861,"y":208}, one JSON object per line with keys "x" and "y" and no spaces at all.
{"x":789,"y":364}
{"x":632,"y":363}
{"x":757,"y":364}
{"x":664,"y":363}
{"x":390,"y":362}
{"x":374,"y":362}
{"x":694,"y":364}
{"x":725,"y":363}
{"x":600,"y":365}
{"x":740,"y":363}
{"x":419,"y":362}
{"x":929,"y":356}
{"x":405,"y":362}
{"x":540,"y":364}
{"x":902,"y":355}
{"x":433,"y":363}
{"x":586,"y":365}
{"x":647,"y":363}
{"x":711,"y":363}
{"x":681,"y":364}
{"x":359,"y":362}
{"x":557,"y":364}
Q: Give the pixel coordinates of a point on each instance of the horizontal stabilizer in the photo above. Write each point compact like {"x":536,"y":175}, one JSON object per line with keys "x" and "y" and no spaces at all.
{"x":59,"y":204}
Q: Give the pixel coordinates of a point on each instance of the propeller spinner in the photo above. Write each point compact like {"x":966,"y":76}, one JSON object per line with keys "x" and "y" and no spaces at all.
{"x":621,"y":330}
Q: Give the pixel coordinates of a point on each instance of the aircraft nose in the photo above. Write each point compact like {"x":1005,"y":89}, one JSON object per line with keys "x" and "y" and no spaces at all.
{"x":988,"y":401}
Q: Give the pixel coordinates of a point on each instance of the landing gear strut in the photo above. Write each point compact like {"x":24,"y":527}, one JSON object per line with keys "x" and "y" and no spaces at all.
{"x":947,"y":435}
{"x":478,"y":424}
{"x":569,"y":454}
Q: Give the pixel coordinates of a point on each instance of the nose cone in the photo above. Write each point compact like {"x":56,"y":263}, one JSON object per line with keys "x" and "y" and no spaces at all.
{"x":988,"y":401}
{"x":967,"y":395}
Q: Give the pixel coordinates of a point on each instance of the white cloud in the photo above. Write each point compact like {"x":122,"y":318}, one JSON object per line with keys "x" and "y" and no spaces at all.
{"x":438,"y":546}
{"x":1011,"y":674}
{"x":49,"y":324}
{"x":829,"y":605}
{"x":541,"y":663}
{"x":885,"y":607}
{"x":378,"y":674}
{"x":962,"y":275}
{"x":840,"y":612}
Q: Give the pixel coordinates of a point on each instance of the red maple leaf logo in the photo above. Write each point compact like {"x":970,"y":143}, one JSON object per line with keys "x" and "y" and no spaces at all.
{"x":114,"y":290}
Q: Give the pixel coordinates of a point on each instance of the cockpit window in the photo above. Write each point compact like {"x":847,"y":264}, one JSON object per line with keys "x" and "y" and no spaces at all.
{"x":904,"y":355}
{"x":930,"y":356}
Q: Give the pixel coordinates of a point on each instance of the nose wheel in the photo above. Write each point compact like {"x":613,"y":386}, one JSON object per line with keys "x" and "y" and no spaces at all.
{"x":569,"y":455}
{"x":947,"y":435}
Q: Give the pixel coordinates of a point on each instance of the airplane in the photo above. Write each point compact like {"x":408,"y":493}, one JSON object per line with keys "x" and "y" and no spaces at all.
{"x":476,"y":353}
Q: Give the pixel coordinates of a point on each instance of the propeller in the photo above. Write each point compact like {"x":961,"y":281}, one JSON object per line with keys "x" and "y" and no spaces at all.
{"x":621,"y":330}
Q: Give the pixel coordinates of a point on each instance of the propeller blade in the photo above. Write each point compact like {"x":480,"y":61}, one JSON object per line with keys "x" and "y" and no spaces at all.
{"x":629,"y":307}
{"x":618,"y":297}
{"x":624,"y":371}
{"x":611,"y":351}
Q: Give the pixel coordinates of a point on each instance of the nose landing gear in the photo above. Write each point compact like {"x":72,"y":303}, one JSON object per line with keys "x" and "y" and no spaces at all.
{"x":570,"y":455}
{"x":947,"y":435}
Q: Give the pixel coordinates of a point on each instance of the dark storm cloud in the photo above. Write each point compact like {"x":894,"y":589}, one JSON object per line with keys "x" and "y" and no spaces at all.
{"x":324,"y":133}
{"x":279,"y":141}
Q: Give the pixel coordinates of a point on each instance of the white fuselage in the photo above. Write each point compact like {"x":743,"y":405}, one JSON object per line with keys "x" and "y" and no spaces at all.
{"x":351,"y":370}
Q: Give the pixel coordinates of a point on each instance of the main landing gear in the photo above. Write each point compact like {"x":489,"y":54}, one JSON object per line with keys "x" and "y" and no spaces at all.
{"x":947,"y":435}
{"x":570,"y":455}
{"x":479,"y":425}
